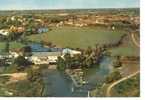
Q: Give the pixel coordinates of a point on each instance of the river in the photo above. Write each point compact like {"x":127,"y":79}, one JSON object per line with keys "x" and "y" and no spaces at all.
{"x":57,"y":84}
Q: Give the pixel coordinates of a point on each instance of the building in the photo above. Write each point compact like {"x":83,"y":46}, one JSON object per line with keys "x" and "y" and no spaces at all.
{"x":14,"y":54}
{"x":42,"y":30}
{"x":47,"y":57}
{"x":71,"y":52}
{"x":5,"y":59}
{"x":4,"y":32}
{"x":17,"y":29}
{"x":39,"y":58}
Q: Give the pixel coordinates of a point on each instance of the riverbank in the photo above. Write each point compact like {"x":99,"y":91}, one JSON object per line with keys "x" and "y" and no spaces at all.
{"x":56,"y":81}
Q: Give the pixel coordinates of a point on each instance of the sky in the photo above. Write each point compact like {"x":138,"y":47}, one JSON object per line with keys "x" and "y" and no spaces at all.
{"x":66,"y":4}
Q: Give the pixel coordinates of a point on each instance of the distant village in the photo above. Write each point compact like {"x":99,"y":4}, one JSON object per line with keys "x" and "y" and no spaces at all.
{"x":21,"y":24}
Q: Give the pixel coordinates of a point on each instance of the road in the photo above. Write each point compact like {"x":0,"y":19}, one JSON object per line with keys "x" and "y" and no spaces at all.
{"x":108,"y":93}
{"x":134,"y":40}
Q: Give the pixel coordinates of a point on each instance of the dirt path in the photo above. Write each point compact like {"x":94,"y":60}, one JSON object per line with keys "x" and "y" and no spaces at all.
{"x":134,"y":40}
{"x":14,"y":77}
{"x":108,"y":93}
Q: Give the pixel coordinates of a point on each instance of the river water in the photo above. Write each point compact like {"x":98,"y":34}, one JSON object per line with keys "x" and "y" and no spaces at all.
{"x":57,"y":84}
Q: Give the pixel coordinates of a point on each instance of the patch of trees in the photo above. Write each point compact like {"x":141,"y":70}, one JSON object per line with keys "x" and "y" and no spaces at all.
{"x":88,"y":58}
{"x":113,"y":77}
{"x":21,"y":63}
{"x":31,"y":87}
{"x":116,"y":44}
{"x":129,"y":87}
{"x":14,"y":36}
{"x":27,"y":51}
{"x":117,"y":62}
{"x":2,"y":62}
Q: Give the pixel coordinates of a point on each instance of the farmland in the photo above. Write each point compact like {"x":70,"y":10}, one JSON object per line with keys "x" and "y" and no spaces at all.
{"x":76,"y":37}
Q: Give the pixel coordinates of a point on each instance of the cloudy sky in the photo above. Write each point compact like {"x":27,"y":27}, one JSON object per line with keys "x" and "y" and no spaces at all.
{"x":66,"y":4}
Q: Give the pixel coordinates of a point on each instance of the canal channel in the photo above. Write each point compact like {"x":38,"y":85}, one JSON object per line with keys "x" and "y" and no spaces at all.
{"x":58,"y":84}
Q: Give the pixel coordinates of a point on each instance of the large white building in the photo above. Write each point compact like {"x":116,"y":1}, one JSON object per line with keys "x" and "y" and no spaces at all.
{"x":39,"y":58}
{"x":70,"y":51}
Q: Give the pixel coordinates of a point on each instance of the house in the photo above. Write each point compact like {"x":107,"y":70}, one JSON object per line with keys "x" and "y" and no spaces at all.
{"x":13,"y":18}
{"x":42,"y":30}
{"x":19,"y":29}
{"x":5,"y":59}
{"x":50,"y":57}
{"x":14,"y":54}
{"x":39,"y":58}
{"x":71,"y":52}
{"x":4,"y":32}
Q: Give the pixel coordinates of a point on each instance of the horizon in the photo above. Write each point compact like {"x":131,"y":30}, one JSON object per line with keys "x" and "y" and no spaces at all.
{"x":68,"y":9}
{"x":66,"y":4}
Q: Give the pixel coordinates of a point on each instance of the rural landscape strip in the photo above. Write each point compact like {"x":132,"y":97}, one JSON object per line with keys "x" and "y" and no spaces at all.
{"x":108,"y":93}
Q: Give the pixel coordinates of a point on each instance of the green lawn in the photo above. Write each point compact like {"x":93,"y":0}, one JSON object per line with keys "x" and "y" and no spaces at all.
{"x":2,"y":46}
{"x":13,"y":45}
{"x":129,"y":49}
{"x":78,"y":37}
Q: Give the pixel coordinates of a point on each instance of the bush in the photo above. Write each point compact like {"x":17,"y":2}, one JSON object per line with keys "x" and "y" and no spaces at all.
{"x":113,"y":77}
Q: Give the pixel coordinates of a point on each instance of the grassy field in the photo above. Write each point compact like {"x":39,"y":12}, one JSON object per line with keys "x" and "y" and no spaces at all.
{"x":78,"y":37}
{"x":2,"y":46}
{"x":128,"y":49}
{"x":13,"y":45}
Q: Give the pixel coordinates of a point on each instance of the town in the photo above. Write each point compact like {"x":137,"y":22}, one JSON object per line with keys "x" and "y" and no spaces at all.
{"x":35,"y":45}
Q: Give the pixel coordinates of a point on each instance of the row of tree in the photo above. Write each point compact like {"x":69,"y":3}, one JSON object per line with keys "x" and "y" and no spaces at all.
{"x":88,"y":58}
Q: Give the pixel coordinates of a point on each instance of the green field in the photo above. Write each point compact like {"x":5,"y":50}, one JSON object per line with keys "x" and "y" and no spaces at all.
{"x":128,"y":49}
{"x":77,"y":37}
{"x":13,"y":45}
{"x":2,"y":46}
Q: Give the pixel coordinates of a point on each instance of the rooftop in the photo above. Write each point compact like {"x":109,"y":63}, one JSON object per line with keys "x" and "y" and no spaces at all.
{"x":44,"y":54}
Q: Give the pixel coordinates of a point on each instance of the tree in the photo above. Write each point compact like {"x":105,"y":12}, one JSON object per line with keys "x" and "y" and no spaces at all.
{"x":7,"y":46}
{"x":61,"y":64}
{"x":2,"y":62}
{"x":113,"y":76}
{"x":27,"y":50}
{"x":21,"y":62}
{"x":33,"y":74}
{"x":88,"y":51}
{"x":68,"y":60}
{"x":117,"y":63}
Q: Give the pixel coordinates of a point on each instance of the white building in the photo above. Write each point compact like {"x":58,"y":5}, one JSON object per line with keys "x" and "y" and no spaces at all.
{"x":14,"y":54}
{"x":71,"y":52}
{"x":39,"y":58}
{"x":4,"y":32}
